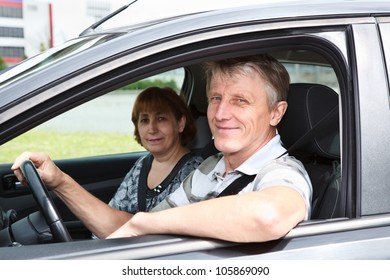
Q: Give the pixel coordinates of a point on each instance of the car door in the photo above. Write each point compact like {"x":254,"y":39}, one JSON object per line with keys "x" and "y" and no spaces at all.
{"x":186,"y":50}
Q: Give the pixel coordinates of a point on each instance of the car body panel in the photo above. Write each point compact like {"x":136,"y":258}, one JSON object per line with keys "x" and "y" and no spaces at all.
{"x":372,"y":80}
{"x":342,"y":33}
{"x":367,"y":242}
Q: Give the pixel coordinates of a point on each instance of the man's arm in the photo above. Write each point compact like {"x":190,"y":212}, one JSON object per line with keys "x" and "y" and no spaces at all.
{"x":96,"y":215}
{"x":252,"y":217}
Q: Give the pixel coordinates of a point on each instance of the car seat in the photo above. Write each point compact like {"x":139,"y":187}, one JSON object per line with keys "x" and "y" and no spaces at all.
{"x":310,"y":132}
{"x":203,"y":144}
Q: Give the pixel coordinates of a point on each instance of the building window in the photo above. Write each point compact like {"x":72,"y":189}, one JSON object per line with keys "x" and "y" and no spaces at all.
{"x":11,"y":32}
{"x":98,"y":8}
{"x":11,"y":52}
{"x":11,"y":12}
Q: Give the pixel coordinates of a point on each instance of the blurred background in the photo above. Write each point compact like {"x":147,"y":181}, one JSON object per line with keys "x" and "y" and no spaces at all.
{"x":28,"y":27}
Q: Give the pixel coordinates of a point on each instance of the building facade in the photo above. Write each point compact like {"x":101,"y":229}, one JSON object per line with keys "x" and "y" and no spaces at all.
{"x":25,"y":29}
{"x":28,"y":27}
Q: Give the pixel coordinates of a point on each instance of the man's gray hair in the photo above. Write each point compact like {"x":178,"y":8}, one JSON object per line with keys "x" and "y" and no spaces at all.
{"x":270,"y":69}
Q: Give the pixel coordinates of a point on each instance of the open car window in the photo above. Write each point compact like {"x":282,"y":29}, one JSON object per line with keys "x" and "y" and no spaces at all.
{"x":101,"y":126}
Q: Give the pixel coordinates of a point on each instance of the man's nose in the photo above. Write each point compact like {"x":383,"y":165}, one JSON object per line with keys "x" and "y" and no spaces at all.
{"x":222,"y":110}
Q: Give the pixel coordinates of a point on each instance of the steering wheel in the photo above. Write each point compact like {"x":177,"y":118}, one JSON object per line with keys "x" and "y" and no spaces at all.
{"x":45,"y":202}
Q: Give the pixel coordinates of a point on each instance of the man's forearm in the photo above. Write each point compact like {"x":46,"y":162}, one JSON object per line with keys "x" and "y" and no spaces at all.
{"x":252,"y":217}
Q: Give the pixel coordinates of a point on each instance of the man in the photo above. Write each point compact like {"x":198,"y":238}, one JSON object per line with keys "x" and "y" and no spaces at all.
{"x":247,"y":99}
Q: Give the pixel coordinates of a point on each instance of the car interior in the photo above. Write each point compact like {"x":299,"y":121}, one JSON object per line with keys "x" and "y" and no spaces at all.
{"x":310,"y":131}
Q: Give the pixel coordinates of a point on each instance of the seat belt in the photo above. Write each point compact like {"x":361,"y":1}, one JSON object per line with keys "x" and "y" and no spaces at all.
{"x":237,"y":185}
{"x":331,"y":116}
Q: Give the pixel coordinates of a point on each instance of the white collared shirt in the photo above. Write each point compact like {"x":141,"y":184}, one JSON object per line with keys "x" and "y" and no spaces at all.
{"x":272,"y":169}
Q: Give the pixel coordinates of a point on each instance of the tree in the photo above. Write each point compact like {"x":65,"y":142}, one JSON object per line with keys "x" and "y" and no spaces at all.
{"x":42,"y":47}
{"x":3,"y":65}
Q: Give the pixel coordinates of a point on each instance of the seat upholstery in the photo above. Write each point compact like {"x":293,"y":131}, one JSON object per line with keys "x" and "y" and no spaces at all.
{"x":310,"y":132}
{"x":203,"y":143}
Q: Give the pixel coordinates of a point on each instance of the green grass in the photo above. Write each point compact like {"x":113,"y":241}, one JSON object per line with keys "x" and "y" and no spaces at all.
{"x":68,"y":145}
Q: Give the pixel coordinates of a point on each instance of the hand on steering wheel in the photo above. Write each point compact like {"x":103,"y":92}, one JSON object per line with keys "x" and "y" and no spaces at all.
{"x":45,"y":202}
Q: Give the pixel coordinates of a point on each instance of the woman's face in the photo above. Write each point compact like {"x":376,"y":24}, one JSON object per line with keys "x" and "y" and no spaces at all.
{"x":159,"y":131}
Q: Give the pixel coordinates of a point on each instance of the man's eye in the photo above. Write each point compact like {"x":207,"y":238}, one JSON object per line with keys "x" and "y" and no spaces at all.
{"x":214,"y":99}
{"x":240,"y":101}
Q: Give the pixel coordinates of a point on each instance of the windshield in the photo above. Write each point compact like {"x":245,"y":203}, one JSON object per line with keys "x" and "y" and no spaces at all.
{"x":50,"y":56}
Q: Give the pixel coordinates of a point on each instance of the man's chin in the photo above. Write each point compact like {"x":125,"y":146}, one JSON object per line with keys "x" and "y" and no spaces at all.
{"x":226,"y":147}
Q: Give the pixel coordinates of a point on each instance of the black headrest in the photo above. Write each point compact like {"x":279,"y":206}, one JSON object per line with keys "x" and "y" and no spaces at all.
{"x":312,"y":108}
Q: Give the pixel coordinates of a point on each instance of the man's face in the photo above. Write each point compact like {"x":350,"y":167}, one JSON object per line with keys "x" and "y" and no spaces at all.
{"x":238,"y":114}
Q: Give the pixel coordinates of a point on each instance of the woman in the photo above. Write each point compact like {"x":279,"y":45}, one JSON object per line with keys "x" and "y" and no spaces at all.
{"x":163,"y":126}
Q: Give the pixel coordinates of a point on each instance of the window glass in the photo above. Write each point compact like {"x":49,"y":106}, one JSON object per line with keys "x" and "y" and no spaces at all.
{"x":50,"y":56}
{"x":305,"y":66}
{"x":99,"y":127}
{"x":11,"y":12}
{"x":311,"y":73}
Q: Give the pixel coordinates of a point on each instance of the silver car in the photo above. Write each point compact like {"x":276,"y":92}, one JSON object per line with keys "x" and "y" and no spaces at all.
{"x":338,"y":123}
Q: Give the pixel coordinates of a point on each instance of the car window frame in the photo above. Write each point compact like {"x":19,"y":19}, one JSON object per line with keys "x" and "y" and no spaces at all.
{"x":145,"y":62}
{"x":344,"y":65}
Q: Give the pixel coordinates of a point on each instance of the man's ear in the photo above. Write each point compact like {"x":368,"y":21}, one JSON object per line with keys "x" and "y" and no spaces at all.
{"x":278,"y":113}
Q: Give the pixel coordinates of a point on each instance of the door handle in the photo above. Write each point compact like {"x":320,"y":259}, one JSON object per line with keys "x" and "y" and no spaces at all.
{"x":10,"y":182}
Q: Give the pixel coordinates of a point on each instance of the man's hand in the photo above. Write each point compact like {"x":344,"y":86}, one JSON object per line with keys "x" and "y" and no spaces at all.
{"x":51,"y":175}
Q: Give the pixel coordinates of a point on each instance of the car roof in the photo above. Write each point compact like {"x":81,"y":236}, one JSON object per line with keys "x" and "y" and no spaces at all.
{"x":269,"y":10}
{"x":252,"y":14}
{"x":142,"y":34}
